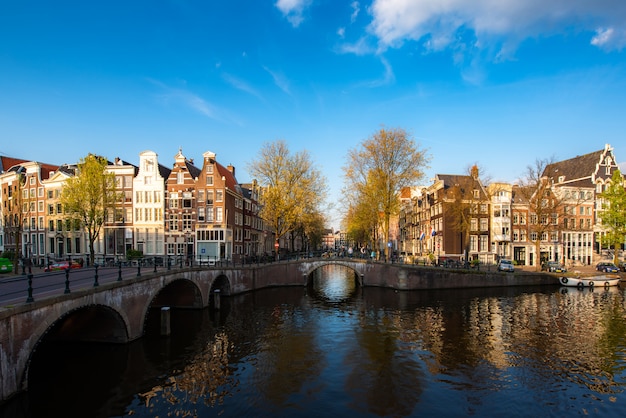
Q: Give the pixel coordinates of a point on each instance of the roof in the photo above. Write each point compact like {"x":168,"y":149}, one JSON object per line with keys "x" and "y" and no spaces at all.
{"x":583,"y":170}
{"x":8,"y":162}
{"x":229,"y":178}
{"x":577,"y":168}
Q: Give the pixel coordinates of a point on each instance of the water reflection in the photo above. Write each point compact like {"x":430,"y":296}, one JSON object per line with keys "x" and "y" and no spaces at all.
{"x":335,"y":349}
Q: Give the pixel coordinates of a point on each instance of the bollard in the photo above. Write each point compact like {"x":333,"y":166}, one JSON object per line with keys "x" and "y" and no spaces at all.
{"x":119,"y":272}
{"x":155,"y":264}
{"x":138,"y":269}
{"x":169,"y":263}
{"x":67,"y":281}
{"x":165,"y":321}
{"x":216,"y":299}
{"x":30,"y":289}
{"x":95,"y":280}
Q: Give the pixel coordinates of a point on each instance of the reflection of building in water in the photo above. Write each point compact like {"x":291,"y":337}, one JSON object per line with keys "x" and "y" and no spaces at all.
{"x":200,"y":381}
{"x":570,"y":334}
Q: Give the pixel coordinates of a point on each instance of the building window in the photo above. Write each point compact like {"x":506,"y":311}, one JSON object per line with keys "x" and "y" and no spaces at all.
{"x":187,"y":197}
{"x":173,"y":222}
{"x":173,"y":200}
{"x":180,"y":177}
{"x":186,"y":222}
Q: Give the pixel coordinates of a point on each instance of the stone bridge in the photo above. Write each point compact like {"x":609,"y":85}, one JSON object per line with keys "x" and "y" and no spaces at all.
{"x":117,"y":311}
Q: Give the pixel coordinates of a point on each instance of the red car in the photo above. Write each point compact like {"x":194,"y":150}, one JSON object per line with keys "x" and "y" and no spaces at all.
{"x":63,"y":265}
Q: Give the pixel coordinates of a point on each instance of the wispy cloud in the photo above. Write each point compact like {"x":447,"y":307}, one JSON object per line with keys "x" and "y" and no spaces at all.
{"x":293,"y":10}
{"x":438,"y":24}
{"x":241,"y":85}
{"x":175,"y":96}
{"x":171,"y":95}
{"x":356,"y":8}
{"x":280,"y":80}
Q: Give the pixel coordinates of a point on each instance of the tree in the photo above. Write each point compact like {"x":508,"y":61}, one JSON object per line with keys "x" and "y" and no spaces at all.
{"x":613,"y":214}
{"x":379,"y":168}
{"x":89,"y":195}
{"x":362,"y":218}
{"x":543,"y":204}
{"x":292,"y":187}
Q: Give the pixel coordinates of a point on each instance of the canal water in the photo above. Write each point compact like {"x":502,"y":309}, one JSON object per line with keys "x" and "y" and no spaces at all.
{"x":335,"y":349}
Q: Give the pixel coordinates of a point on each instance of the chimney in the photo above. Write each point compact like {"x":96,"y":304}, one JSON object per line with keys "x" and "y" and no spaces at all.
{"x":231,"y":168}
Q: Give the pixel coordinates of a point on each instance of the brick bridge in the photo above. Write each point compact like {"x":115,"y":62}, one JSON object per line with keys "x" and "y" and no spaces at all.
{"x":117,"y":311}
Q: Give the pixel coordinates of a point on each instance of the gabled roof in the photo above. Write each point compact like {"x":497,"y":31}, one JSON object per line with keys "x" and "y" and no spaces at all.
{"x":229,"y":178}
{"x":164,"y":171}
{"x":582,"y":170}
{"x":193,"y":170}
{"x":450,"y":180}
{"x":573,"y":169}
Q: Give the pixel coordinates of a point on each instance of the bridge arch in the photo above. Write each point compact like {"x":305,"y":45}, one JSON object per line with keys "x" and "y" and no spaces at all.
{"x":178,"y":293}
{"x":77,"y":325}
{"x":221,"y":283}
{"x":357,"y":267}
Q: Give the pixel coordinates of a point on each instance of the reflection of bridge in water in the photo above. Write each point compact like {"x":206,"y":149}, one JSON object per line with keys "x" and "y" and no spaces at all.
{"x":116,"y":311}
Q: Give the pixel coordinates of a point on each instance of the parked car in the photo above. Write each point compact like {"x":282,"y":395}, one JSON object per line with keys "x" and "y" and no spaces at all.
{"x":553,"y":267}
{"x":505,"y":265}
{"x":6,"y":265}
{"x":62,"y":265}
{"x":607,"y":267}
{"x":622,"y":266}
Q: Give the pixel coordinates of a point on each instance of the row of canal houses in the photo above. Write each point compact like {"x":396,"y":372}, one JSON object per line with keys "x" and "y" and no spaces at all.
{"x":185,"y":212}
{"x":502,"y":221}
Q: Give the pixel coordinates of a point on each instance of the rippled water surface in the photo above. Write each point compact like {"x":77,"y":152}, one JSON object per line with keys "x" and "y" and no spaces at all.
{"x":335,"y":349}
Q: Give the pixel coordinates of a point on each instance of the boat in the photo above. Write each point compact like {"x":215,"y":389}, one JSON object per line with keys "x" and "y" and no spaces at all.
{"x":605,"y":280}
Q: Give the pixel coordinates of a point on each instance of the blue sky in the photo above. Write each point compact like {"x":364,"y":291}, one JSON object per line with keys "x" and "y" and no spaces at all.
{"x":499,"y":84}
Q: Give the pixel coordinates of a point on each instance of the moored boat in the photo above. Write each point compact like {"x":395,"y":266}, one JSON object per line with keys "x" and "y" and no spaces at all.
{"x":605,"y":280}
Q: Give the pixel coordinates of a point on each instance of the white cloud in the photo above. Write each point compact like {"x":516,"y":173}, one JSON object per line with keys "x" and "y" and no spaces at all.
{"x":293,"y":10}
{"x":438,"y":23}
{"x":609,"y":39}
{"x":356,"y":9}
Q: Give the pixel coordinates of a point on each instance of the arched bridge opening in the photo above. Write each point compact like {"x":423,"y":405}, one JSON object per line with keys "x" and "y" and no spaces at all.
{"x":324,"y":268}
{"x":333,"y":283}
{"x":180,"y":294}
{"x":71,"y":337}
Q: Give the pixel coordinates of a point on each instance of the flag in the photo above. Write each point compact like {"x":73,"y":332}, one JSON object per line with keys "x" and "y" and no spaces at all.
{"x":433,"y":232}
{"x":422,"y":236}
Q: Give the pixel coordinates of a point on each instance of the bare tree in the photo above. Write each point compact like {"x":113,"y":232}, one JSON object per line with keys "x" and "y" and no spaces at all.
{"x":380,"y":167}
{"x":293,"y":187}
{"x":463,"y":199}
